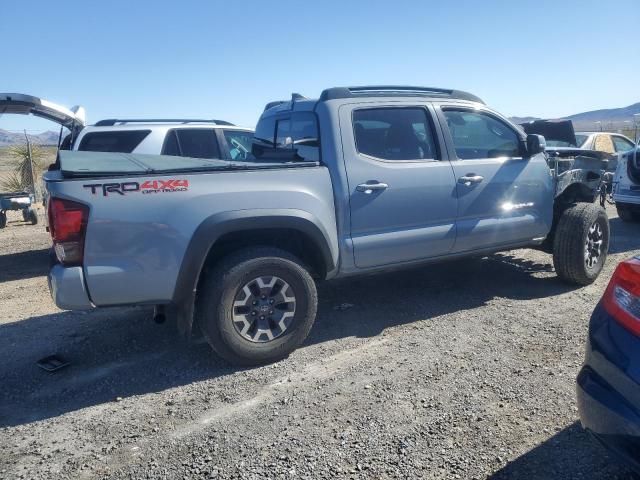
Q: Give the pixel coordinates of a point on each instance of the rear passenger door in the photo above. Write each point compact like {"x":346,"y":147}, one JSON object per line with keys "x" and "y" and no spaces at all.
{"x":504,"y":198}
{"x":402,"y":193}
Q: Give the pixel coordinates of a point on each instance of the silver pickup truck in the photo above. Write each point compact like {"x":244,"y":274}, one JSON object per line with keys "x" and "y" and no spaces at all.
{"x":362,"y":179}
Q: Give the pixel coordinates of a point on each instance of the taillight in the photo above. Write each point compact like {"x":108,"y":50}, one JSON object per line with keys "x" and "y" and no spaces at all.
{"x":622,"y":296}
{"x":68,"y":225}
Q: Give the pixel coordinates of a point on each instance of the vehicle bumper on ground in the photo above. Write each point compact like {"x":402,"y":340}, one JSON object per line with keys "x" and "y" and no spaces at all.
{"x":608,"y":396}
{"x":67,"y":288}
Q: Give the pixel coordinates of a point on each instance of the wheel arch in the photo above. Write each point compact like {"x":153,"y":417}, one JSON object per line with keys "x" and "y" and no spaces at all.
{"x":226,"y":232}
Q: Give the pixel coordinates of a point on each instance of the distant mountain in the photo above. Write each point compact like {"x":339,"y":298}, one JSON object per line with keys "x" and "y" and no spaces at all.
{"x":14,"y":138}
{"x":605,"y":119}
{"x":607,"y":115}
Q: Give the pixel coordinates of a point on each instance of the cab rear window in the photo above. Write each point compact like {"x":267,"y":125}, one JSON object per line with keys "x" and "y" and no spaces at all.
{"x":292,"y":136}
{"x":124,"y":141}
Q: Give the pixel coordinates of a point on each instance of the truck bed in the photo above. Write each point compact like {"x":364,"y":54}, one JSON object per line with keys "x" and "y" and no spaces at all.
{"x":145,"y":210}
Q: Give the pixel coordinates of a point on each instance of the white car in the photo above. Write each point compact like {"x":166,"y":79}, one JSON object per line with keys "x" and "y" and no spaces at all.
{"x":611,"y":143}
{"x":215,"y":139}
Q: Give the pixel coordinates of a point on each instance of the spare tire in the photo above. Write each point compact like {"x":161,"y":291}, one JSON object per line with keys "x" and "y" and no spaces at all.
{"x":581,"y":243}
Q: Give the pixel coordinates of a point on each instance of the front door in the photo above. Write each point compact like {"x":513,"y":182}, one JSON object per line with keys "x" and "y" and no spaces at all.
{"x":504,"y":198}
{"x":402,"y":194}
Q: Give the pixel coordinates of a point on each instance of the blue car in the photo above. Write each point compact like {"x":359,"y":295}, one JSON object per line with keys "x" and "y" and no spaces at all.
{"x":609,"y":382}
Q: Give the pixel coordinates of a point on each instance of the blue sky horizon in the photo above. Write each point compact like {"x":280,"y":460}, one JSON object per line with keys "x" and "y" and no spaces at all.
{"x":210,"y":59}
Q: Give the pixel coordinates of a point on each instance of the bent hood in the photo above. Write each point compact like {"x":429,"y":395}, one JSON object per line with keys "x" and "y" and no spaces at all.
{"x":559,"y":130}
{"x":21,"y":104}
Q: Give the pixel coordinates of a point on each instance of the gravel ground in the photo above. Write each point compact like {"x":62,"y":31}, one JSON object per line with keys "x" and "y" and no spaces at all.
{"x":465,"y":370}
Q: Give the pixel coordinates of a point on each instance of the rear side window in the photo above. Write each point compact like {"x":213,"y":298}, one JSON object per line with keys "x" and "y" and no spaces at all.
{"x":622,"y":144}
{"x":477,"y":135}
{"x":293,"y":136}
{"x":191,"y":142}
{"x":123,"y":141}
{"x":239,"y":144}
{"x":394,"y":133}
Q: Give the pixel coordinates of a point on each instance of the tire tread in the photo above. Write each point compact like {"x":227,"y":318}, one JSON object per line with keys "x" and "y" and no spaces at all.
{"x":568,"y":248}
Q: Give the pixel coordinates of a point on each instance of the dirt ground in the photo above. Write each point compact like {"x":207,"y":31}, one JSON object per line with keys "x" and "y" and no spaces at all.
{"x":465,"y":370}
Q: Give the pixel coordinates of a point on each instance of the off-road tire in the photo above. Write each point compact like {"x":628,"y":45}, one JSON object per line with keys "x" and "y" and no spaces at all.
{"x":570,"y":241}
{"x":3,"y":219}
{"x":628,"y":213}
{"x":219,"y":290}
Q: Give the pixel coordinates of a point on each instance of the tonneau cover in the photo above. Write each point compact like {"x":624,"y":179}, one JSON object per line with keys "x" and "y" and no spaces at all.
{"x":96,"y":164}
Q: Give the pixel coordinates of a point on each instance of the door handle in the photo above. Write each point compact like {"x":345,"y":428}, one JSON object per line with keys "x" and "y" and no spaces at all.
{"x":470,"y":178}
{"x":369,"y":188}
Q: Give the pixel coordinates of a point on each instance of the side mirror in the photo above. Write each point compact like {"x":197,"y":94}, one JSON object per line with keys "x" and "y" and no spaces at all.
{"x":535,"y":144}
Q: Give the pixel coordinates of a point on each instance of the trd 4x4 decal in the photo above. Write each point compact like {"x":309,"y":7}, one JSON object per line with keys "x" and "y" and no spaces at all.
{"x":148,"y":186}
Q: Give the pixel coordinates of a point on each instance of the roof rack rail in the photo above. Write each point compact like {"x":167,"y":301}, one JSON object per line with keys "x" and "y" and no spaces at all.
{"x":395,"y":90}
{"x":112,"y":121}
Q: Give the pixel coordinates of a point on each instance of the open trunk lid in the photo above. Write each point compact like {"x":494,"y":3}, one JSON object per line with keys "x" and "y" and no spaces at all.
{"x":17,"y":103}
{"x":557,"y":130}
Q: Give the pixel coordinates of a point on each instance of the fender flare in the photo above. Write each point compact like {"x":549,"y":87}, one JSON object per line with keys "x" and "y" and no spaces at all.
{"x":215,"y":226}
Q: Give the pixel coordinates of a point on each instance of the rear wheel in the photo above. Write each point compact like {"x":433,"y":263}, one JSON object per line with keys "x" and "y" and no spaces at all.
{"x":627,"y":212}
{"x":3,"y":219}
{"x":257,"y":306}
{"x":581,"y":243}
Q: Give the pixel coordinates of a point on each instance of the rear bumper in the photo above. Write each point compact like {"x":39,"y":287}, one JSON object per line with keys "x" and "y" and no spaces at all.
{"x":609,"y":417}
{"x":67,"y":288}
{"x":608,"y":390}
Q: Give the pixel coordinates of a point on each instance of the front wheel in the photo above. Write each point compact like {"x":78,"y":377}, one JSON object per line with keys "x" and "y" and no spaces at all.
{"x":581,"y":243}
{"x":257,"y":306}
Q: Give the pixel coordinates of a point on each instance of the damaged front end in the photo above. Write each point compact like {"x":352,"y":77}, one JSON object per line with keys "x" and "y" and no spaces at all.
{"x":578,"y":171}
{"x":579,"y":167}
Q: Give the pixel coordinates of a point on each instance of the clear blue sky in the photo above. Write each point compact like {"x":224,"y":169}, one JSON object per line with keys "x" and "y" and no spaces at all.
{"x":226,"y":59}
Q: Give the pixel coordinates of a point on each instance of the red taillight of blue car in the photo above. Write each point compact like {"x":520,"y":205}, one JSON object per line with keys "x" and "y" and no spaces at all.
{"x":622,"y":296}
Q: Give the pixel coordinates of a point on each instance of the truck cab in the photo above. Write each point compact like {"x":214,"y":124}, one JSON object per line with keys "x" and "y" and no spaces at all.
{"x":419,"y":173}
